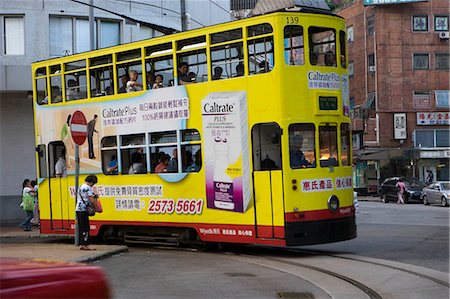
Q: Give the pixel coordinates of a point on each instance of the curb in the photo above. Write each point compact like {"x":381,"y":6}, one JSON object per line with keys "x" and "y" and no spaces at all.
{"x":101,"y":255}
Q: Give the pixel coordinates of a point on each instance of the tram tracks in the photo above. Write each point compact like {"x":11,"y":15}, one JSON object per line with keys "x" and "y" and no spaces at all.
{"x":372,"y":277}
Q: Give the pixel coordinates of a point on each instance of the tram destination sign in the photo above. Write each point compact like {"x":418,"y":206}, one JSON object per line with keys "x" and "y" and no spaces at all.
{"x":380,"y":2}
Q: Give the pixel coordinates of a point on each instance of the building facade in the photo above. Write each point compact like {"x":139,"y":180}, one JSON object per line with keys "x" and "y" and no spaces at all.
{"x":399,"y":89}
{"x":33,"y":30}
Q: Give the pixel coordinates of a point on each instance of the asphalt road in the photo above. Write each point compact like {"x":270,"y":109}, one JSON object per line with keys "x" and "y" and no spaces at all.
{"x":412,"y":234}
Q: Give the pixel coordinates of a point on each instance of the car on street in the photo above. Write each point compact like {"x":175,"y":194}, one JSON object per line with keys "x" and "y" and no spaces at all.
{"x":437,"y":193}
{"x":388,"y":189}
{"x":33,"y":278}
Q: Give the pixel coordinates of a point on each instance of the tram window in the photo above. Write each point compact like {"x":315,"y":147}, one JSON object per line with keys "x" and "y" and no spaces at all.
{"x":226,"y":36}
{"x":128,"y":55}
{"x":190,"y":43}
{"x":191,"y":158}
{"x":345,"y":144}
{"x":160,"y":157}
{"x":133,"y":154}
{"x":41,"y":91}
{"x":105,"y":59}
{"x":57,"y":153}
{"x":197,"y":67}
{"x":124,"y":77}
{"x":76,"y":87}
{"x":56,"y":89}
{"x":328,"y":146}
{"x":302,"y":146}
{"x":42,"y":71}
{"x":163,"y":137}
{"x":259,"y":29}
{"x":225,"y":60}
{"x":158,"y":49}
{"x":342,"y":44}
{"x":293,"y":45}
{"x":75,"y":65}
{"x":102,"y":81}
{"x":266,"y":144}
{"x":260,"y":55}
{"x":109,"y":155}
{"x":190,"y":135}
{"x":159,"y":66}
{"x":55,"y":69}
{"x":322,"y":43}
{"x":42,"y":160}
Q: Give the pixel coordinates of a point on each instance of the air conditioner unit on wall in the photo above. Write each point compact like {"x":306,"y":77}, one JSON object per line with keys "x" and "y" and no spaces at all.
{"x":372,"y":68}
{"x":444,"y":35}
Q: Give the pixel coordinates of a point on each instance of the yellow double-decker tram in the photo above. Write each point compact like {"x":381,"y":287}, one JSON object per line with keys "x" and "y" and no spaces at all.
{"x":237,"y":132}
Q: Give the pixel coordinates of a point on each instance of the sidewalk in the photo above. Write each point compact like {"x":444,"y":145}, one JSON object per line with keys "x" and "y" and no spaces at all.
{"x":17,"y":243}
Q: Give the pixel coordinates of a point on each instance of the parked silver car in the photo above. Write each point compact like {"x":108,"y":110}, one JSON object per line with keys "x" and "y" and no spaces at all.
{"x":437,"y":193}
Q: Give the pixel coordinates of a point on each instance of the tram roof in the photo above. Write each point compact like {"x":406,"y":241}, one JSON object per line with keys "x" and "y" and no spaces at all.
{"x":269,"y":6}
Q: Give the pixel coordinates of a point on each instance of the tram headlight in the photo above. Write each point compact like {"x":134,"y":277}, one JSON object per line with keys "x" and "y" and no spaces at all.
{"x":333,"y":203}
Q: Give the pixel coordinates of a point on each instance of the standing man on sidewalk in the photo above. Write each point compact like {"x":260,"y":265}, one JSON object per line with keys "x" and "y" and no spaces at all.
{"x":90,"y":135}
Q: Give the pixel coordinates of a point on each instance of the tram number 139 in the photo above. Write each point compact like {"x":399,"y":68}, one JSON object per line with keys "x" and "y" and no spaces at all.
{"x":180,"y":206}
{"x":292,"y":20}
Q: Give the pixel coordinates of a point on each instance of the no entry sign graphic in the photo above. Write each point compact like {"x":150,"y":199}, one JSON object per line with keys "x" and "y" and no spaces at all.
{"x":78,"y":127}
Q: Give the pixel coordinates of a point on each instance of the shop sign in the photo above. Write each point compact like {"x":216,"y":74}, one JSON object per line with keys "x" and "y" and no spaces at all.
{"x":433,"y":118}
{"x":435,"y":154}
{"x":377,"y":2}
{"x":400,"y":125}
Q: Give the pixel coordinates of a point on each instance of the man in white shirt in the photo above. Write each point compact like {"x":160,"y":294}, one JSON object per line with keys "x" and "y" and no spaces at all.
{"x":60,"y":166}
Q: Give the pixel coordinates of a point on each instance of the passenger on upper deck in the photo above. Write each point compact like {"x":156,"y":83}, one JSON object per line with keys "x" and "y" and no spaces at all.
{"x":72,"y":93}
{"x":239,"y":70}
{"x":217,"y":73}
{"x":133,"y":84}
{"x":158,"y":81}
{"x":183,"y":77}
{"x":125,"y":78}
{"x":264,"y":67}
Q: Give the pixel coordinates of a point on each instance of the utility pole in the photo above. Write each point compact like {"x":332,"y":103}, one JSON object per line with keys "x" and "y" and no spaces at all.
{"x":91,"y":25}
{"x":183,"y":15}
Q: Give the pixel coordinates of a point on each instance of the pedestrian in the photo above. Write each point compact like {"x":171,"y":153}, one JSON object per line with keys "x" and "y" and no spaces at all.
{"x":27,"y":204}
{"x":400,"y":191}
{"x":85,"y":197}
{"x":35,"y":220}
{"x":90,"y":135}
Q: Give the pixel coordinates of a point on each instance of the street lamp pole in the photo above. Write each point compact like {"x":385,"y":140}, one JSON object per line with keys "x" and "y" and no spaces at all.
{"x":91,"y":25}
{"x":183,"y":15}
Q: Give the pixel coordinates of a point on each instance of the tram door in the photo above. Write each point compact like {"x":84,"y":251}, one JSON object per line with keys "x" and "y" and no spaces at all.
{"x":267,"y":181}
{"x":59,"y":197}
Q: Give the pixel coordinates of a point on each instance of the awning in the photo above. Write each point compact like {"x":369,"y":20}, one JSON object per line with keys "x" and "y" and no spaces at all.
{"x":369,"y":101}
{"x":389,"y":154}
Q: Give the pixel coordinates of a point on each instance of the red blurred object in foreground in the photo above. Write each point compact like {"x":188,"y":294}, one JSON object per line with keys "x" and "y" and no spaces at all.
{"x":51,"y":279}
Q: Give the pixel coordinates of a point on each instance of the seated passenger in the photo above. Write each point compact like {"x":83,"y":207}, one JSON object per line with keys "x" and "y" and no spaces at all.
{"x":72,"y":93}
{"x":162,"y":166}
{"x":183,"y":77}
{"x":112,"y":167}
{"x":56,"y":94}
{"x":137,"y":166}
{"x":124,"y":79}
{"x":133,"y":84}
{"x":158,"y":81}
{"x":239,"y":70}
{"x":150,"y":80}
{"x":330,"y":59}
{"x":217,"y":73}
